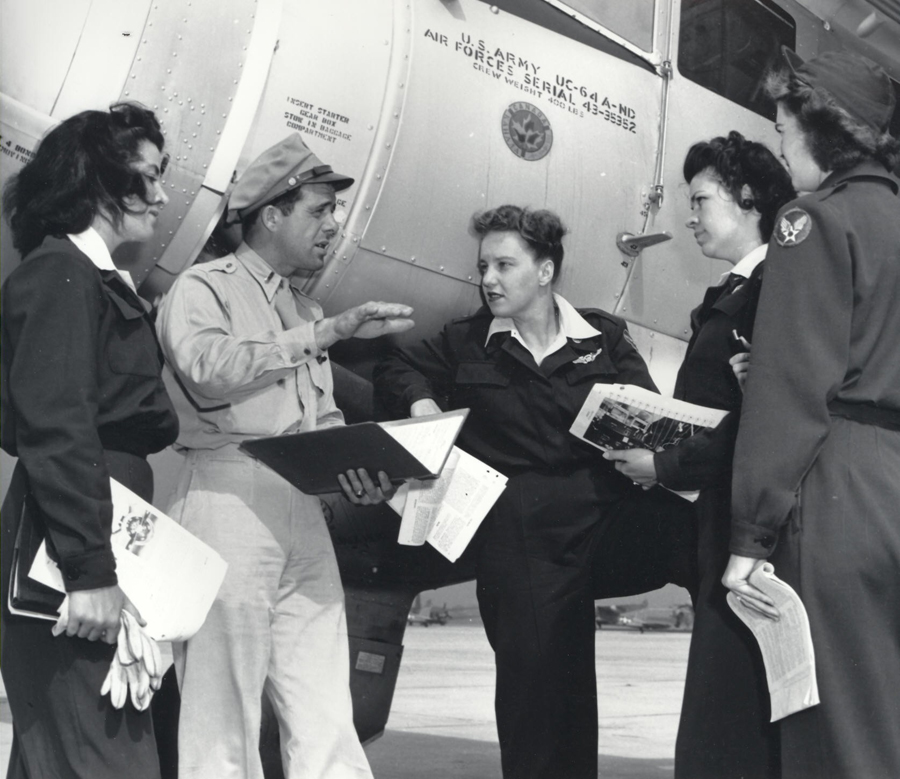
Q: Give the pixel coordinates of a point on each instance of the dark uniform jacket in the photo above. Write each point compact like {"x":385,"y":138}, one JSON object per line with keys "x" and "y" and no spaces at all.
{"x":520,"y":412}
{"x":80,"y":374}
{"x":826,"y":329}
{"x":706,"y":378}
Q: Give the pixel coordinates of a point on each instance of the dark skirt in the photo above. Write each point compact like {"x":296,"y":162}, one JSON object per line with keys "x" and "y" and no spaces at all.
{"x":724,"y":731}
{"x":62,"y":728}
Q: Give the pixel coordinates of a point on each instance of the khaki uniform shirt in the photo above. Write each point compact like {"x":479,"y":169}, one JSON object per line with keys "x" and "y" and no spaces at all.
{"x":244,"y":376}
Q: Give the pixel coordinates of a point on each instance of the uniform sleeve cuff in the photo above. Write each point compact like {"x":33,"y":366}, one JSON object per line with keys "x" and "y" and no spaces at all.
{"x":89,"y":571}
{"x":666,"y":464}
{"x":299,"y":344}
{"x":750,"y":540}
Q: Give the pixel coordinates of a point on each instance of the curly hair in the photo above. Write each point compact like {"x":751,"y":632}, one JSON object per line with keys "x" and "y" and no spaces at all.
{"x":542,"y":230}
{"x":82,"y":167}
{"x":835,"y":139}
{"x":735,"y":161}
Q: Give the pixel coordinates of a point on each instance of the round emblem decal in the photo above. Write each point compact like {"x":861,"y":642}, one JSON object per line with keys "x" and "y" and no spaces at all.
{"x":793,"y":228}
{"x":527,"y":131}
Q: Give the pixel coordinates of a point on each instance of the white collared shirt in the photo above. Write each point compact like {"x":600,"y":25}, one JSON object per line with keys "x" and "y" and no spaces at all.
{"x":571,"y":325}
{"x":97,"y":252}
{"x":747,"y":264}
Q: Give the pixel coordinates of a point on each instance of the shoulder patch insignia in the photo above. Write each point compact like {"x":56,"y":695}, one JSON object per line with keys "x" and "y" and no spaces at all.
{"x":793,"y":228}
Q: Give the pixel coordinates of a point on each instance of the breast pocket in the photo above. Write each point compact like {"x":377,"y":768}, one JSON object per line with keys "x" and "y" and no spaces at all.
{"x":481,"y":374}
{"x":131,"y":346}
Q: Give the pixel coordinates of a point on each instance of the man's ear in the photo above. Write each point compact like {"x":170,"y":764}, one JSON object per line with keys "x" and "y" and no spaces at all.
{"x":270,"y":217}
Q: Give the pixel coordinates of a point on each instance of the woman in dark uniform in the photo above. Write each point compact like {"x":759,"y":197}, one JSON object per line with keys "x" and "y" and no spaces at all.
{"x":736,"y":189}
{"x":568,"y":528}
{"x":817,"y":463}
{"x":82,"y":400}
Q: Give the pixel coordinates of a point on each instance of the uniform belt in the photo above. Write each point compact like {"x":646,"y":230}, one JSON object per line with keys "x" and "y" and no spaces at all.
{"x":866,"y":414}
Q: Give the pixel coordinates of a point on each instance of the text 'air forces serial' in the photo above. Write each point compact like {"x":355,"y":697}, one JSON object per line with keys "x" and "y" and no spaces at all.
{"x":438,"y":108}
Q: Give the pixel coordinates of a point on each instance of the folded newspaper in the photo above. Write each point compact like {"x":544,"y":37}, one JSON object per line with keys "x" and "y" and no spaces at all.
{"x":622,"y":416}
{"x":170,"y":575}
{"x":786,"y":644}
{"x":447,"y":511}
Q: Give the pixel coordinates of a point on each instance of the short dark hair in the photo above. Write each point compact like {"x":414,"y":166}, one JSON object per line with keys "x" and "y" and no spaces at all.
{"x":735,"y":161}
{"x":542,"y":230}
{"x":82,"y":166}
{"x":284,"y":203}
{"x":836,"y":140}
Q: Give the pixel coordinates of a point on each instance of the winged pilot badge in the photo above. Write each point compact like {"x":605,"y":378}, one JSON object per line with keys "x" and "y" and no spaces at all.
{"x":587,"y":358}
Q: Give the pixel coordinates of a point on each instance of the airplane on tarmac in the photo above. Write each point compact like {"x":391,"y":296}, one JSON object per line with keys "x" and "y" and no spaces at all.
{"x":642,"y":617}
{"x":438,"y":108}
{"x":435,"y":615}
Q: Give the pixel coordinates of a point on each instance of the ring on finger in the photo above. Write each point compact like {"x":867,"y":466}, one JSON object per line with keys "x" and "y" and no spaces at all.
{"x":358,"y":493}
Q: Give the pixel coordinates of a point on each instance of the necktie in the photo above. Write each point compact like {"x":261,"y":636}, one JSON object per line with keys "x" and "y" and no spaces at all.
{"x":734,"y":281}
{"x":285,"y":306}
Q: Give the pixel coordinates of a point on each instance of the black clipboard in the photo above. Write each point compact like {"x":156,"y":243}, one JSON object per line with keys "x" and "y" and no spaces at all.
{"x":28,"y":598}
{"x":312,"y":460}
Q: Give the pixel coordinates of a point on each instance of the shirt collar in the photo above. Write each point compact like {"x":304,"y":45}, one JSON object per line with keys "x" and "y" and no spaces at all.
{"x":92,"y":244}
{"x":747,"y":264}
{"x":267,"y":278}
{"x":571,"y":323}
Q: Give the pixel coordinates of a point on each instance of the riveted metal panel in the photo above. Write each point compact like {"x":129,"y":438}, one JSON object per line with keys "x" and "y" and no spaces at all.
{"x":106,"y":48}
{"x":188,"y":67}
{"x":327,"y":81}
{"x":469,"y":66}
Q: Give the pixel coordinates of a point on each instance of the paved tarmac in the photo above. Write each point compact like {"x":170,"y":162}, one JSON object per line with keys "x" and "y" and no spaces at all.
{"x":442,"y":721}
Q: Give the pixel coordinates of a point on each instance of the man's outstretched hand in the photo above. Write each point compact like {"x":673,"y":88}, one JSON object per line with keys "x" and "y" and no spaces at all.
{"x":369,"y":320}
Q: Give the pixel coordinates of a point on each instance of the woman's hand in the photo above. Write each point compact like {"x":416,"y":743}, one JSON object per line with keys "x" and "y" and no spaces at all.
{"x":360,"y":490}
{"x":95,"y":614}
{"x":740,"y":364}
{"x":424,"y":407}
{"x":636,"y":464}
{"x":737,"y":579}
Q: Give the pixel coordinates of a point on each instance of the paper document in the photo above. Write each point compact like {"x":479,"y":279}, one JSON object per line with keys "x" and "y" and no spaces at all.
{"x":447,"y":511}
{"x":428,"y":439}
{"x":786,"y":644}
{"x":170,"y":575}
{"x":622,"y":416}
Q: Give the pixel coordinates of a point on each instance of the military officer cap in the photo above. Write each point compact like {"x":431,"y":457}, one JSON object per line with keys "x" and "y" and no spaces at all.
{"x":857,"y":84}
{"x":286,"y":165}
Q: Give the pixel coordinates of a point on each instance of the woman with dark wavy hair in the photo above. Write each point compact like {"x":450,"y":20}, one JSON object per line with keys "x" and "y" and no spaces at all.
{"x":736,"y":188}
{"x":568,"y":528}
{"x":817,"y":464}
{"x":82,"y":401}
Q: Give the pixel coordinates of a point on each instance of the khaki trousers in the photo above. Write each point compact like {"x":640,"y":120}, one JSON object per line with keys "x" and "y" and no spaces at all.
{"x":277,"y":626}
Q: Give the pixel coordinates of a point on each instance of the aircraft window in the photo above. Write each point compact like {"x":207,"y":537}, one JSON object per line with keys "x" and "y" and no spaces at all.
{"x":553,"y":18}
{"x":633,"y":21}
{"x":728,"y":46}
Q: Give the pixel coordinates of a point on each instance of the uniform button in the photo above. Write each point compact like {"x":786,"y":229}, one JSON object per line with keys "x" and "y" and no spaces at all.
{"x":73,"y":574}
{"x":767,"y":542}
{"x":280,"y":382}
{"x":307,"y":351}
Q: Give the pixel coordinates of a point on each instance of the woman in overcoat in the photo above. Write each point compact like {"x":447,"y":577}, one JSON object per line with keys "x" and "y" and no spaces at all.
{"x":82,"y":400}
{"x":816,"y":488}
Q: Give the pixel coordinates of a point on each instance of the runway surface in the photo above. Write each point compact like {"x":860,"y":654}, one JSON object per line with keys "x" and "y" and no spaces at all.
{"x":442,"y":720}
